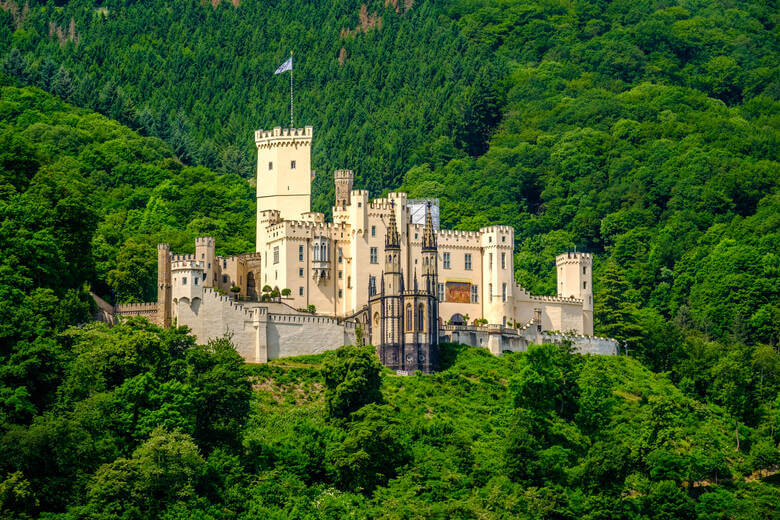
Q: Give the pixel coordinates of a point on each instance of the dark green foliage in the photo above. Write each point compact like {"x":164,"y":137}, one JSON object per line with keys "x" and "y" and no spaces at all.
{"x":643,"y":132}
{"x":372,"y":451}
{"x":352,"y":378}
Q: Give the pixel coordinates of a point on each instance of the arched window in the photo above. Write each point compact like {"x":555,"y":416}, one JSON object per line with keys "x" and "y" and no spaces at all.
{"x":409,"y":316}
{"x":421,"y":317}
{"x":316,"y":252}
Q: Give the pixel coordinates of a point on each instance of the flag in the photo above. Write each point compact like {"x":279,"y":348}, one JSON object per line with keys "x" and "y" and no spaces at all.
{"x":284,"y":67}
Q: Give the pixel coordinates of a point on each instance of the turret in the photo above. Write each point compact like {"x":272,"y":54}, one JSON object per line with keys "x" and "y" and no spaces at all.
{"x":575,"y":280}
{"x":343,"y":180}
{"x":393,"y":283}
{"x":164,"y":285}
{"x":429,"y":253}
{"x":430,"y":284}
{"x":497,"y":273}
{"x":205,"y":252}
{"x":187,"y":280}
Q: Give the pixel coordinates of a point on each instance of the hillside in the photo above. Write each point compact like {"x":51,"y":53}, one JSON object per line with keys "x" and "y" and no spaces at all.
{"x":645,"y":133}
{"x":144,"y":424}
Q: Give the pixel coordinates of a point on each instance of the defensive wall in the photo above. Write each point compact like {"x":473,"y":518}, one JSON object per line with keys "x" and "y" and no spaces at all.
{"x":500,"y":339}
{"x":260,"y":335}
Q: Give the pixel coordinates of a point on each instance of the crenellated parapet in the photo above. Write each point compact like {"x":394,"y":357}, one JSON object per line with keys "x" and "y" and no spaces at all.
{"x":148,"y":310}
{"x":279,"y":136}
{"x":556,"y":299}
{"x":574,"y":257}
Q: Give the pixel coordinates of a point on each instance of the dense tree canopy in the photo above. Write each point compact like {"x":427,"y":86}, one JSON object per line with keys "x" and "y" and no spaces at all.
{"x":644,"y":132}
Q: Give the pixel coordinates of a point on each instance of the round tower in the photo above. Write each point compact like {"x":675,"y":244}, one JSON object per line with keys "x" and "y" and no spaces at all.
{"x":164,"y":285}
{"x":575,"y":280}
{"x":205,"y":252}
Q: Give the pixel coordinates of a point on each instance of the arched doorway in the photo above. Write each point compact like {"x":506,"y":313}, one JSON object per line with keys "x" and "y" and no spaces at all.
{"x":251,"y":288}
{"x":457,"y":319}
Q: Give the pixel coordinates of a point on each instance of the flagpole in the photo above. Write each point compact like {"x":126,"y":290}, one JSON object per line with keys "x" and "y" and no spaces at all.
{"x":291,"y":91}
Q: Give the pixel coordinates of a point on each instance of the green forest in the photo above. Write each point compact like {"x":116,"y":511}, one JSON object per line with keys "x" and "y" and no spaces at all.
{"x":647,"y":133}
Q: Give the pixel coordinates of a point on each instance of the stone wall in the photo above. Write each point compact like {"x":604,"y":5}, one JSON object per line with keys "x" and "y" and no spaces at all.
{"x":503,"y":339}
{"x":296,"y":335}
{"x":257,"y":334}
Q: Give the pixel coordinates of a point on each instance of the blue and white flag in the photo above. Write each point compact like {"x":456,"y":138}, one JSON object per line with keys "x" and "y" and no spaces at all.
{"x":284,"y":67}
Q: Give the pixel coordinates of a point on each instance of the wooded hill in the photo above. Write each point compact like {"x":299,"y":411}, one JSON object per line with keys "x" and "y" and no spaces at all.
{"x":644,"y":133}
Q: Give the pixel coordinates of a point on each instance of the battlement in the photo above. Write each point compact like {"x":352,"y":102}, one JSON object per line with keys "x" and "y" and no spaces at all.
{"x":497,"y":229}
{"x":164,"y":247}
{"x":278,"y":134}
{"x":147,"y":309}
{"x":313,"y":216}
{"x":556,"y":299}
{"x":205,"y":242}
{"x":135,"y":307}
{"x":454,"y":233}
{"x":180,"y":257}
{"x":344,"y":175}
{"x":360,"y":193}
{"x":188,"y":264}
{"x":573,"y":257}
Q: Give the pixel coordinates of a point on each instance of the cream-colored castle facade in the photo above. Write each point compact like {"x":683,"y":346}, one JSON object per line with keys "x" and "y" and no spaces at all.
{"x":333,"y":268}
{"x":329,"y":264}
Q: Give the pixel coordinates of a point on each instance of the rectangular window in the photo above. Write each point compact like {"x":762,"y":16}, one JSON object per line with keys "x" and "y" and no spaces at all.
{"x":224,"y":278}
{"x":373,"y":231}
{"x":441,"y":292}
{"x":372,"y":256}
{"x":349,"y":282}
{"x":468,"y":261}
{"x":270,"y":165}
{"x":490,"y":292}
{"x":300,"y":253}
{"x":276,"y":254}
{"x":474,"y":294}
{"x":300,"y":272}
{"x":300,"y":291}
{"x":584,"y":285}
{"x":341,"y":256}
{"x":292,"y":165}
{"x":490,"y":261}
{"x":446,"y":257}
{"x":184,"y":280}
{"x":195,"y":281}
{"x":503,"y":260}
{"x":341,"y":275}
{"x":503,"y":292}
{"x":224,"y":264}
{"x":340,"y":293}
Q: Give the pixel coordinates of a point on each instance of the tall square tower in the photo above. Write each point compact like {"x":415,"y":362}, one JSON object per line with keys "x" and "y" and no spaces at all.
{"x":284,"y":171}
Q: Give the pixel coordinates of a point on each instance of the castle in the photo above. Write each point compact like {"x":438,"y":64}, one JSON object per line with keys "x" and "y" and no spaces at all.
{"x":381,"y":267}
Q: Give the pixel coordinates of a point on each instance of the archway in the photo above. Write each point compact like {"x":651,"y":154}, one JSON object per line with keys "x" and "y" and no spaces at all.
{"x":251,"y":288}
{"x":457,"y":319}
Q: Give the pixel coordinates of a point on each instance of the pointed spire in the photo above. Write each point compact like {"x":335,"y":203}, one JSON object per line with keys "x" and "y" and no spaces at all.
{"x":383,"y":282}
{"x":429,"y":234}
{"x":392,"y":240}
